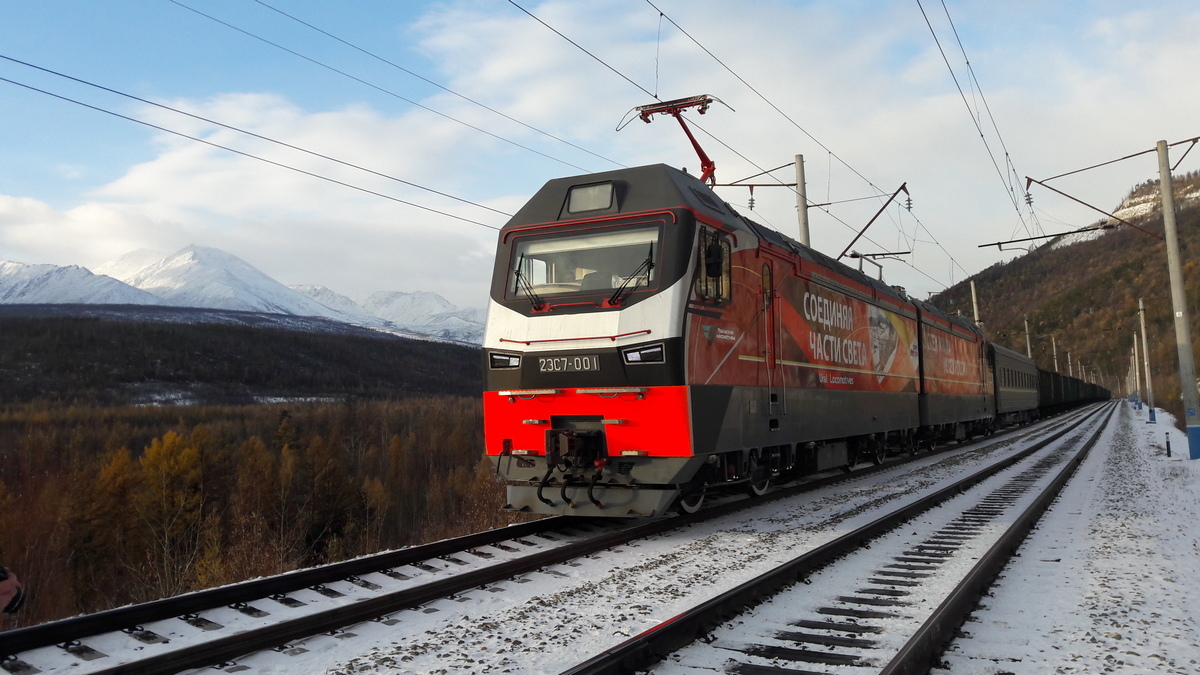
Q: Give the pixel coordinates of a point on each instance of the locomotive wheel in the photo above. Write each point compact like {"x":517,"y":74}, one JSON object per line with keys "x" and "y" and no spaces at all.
{"x":760,"y":478}
{"x":691,"y":503}
{"x":878,"y":452}
{"x":854,"y":453}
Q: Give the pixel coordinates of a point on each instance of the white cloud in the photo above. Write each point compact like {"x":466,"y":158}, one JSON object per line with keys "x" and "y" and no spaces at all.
{"x":1067,"y":89}
{"x":293,"y":226}
{"x":34,"y":232}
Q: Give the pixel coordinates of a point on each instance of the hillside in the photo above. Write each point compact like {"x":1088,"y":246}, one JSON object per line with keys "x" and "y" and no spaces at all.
{"x":1085,"y":294}
{"x":135,"y":358}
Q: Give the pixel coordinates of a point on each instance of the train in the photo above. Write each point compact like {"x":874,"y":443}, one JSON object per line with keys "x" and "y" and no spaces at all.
{"x":646,"y":345}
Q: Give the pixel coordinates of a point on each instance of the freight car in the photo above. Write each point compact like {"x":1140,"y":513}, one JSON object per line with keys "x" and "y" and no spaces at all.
{"x":1058,"y":392}
{"x":646,"y":344}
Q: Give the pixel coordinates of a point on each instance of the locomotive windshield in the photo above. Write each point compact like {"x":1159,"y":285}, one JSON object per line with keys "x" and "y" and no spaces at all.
{"x":596,"y":261}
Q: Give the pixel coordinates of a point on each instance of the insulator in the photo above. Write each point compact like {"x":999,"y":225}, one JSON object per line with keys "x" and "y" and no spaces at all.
{"x":752,"y":203}
{"x":908,"y":204}
{"x":1029,"y":199}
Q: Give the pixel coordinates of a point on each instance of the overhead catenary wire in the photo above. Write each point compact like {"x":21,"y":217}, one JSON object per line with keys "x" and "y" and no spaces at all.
{"x":983,"y":137}
{"x":777,"y":109}
{"x":585,"y":51}
{"x":435,"y":84}
{"x":251,"y":133}
{"x":374,"y":86}
{"x":1012,"y":169}
{"x":1097,"y":166}
{"x":1190,"y":141}
{"x":1012,"y":175}
{"x":727,"y":145}
{"x":245,"y":154}
{"x":831,"y":154}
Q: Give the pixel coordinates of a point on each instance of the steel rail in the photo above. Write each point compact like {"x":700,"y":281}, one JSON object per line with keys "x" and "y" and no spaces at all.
{"x":649,"y":646}
{"x":89,"y":625}
{"x":199,"y":655}
{"x":931,"y":639}
{"x":273,"y":635}
{"x":75,"y":628}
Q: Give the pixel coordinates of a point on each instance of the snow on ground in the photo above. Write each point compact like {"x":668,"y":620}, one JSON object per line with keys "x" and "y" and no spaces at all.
{"x":1109,"y":582}
{"x":556,"y":617}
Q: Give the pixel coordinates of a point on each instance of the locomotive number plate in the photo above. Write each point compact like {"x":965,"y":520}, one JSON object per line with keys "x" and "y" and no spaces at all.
{"x":568,"y":364}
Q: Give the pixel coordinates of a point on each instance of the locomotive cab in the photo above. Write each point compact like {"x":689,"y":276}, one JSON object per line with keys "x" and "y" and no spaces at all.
{"x":585,"y":403}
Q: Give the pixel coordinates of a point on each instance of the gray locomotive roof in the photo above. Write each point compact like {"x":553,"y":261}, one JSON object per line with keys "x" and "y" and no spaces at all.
{"x":659,"y":184}
{"x":1016,"y":356}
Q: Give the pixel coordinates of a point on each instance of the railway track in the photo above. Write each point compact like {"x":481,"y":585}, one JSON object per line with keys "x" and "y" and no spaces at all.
{"x":212,"y":627}
{"x":891,"y":610}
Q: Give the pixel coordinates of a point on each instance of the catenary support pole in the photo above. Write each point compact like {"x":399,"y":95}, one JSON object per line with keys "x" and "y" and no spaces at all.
{"x":1137,"y":368}
{"x":975,"y":304}
{"x":1028,"y":345}
{"x":1054,"y":347}
{"x":1183,"y":331}
{"x":1146,"y":358}
{"x":1070,"y":368}
{"x":802,"y":202}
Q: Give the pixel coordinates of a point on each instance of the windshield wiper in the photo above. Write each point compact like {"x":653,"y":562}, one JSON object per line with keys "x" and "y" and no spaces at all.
{"x":523,"y":284}
{"x":646,"y":266}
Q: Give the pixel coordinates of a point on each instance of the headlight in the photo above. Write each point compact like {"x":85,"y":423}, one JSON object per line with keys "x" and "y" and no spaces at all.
{"x":500,"y":361}
{"x":647,"y":354}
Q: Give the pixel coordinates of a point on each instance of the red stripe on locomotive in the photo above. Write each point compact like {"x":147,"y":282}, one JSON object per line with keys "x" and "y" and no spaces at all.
{"x":655,"y":421}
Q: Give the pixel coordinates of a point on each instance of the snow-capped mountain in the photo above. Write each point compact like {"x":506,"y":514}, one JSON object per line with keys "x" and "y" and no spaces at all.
{"x":198,"y":276}
{"x":22,"y":284}
{"x":337,"y":302}
{"x":208,"y":278}
{"x":396,"y":306}
{"x":429,"y":313}
{"x":130,"y":264}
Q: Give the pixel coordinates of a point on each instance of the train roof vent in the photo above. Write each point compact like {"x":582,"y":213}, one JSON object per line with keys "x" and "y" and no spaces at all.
{"x":707,"y":199}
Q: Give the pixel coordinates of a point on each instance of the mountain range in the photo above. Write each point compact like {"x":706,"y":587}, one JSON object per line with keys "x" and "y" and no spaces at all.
{"x":208,"y":278}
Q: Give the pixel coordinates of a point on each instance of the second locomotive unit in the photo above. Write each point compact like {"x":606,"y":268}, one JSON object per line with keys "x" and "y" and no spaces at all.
{"x":646,"y":344}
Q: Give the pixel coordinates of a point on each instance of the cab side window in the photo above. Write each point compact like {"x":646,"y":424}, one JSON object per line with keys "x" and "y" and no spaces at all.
{"x":713,"y":281}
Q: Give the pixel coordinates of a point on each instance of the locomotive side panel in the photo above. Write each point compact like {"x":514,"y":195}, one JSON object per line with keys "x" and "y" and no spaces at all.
{"x":841,"y":352}
{"x":788,"y":356}
{"x":955,"y":375}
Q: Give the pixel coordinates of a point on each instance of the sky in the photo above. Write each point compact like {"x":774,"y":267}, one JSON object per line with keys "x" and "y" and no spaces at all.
{"x":466,"y":107}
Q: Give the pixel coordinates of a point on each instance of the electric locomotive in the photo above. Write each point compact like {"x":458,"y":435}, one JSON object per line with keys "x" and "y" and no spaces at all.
{"x":646,"y":344}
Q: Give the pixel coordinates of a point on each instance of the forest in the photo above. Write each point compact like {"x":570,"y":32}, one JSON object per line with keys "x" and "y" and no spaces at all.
{"x":101,"y":507}
{"x":80,"y":360}
{"x":1082,"y":298}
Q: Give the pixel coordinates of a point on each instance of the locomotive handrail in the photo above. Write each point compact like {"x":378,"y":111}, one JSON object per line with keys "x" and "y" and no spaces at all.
{"x":522,"y":229}
{"x":644,"y":331}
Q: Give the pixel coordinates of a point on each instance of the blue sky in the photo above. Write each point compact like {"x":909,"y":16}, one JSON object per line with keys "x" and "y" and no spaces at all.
{"x":1068,"y":84}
